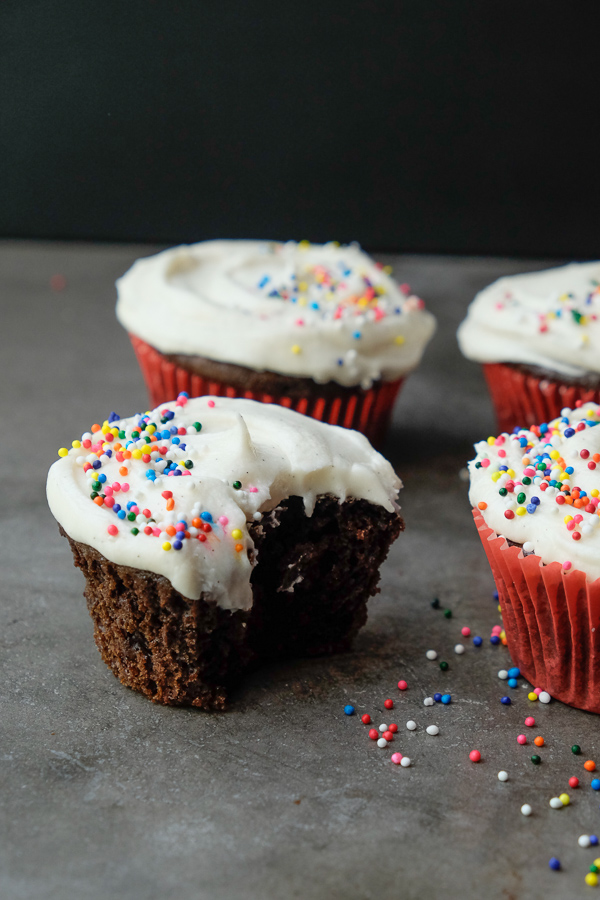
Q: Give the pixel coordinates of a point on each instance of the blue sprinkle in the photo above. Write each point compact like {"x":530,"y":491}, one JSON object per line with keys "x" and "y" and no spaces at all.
{"x":494,"y":639}
{"x":349,"y":710}
{"x":314,"y":305}
{"x":523,"y":442}
{"x":165,"y":435}
{"x":543,"y":428}
{"x":175,"y":440}
{"x":182,"y":446}
{"x":264,"y":281}
{"x":121,"y":514}
{"x":177,"y":471}
{"x":340,"y":362}
{"x":593,"y":840}
{"x":512,"y":682}
{"x":206,"y":516}
{"x":514,"y":672}
{"x":102,"y":478}
{"x":569,"y":432}
{"x":569,"y":470}
{"x":437,"y":698}
{"x":169,"y":415}
{"x":495,"y":595}
{"x":503,"y":468}
{"x":477,"y":641}
{"x":130,"y":504}
{"x":113,"y":417}
{"x":151,"y":475}
{"x":535,"y":500}
{"x":96,"y":464}
{"x":357,"y":335}
{"x":446,"y":699}
{"x":554,"y":863}
{"x":172,"y":430}
{"x":506,"y":701}
{"x":116,"y":507}
{"x":177,"y":545}
{"x":184,"y":394}
{"x":595,"y":784}
{"x":531,"y":508}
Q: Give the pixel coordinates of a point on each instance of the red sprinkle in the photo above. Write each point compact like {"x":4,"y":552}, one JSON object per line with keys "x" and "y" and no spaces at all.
{"x":389,"y":704}
{"x":509,"y":514}
{"x":167,"y":494}
{"x":402,"y":685}
{"x":366,"y":719}
{"x":393,"y":728}
{"x":474,"y":755}
{"x":373,"y":734}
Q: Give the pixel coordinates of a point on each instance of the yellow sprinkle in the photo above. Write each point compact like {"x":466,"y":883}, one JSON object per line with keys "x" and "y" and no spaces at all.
{"x":597,"y":862}
{"x":302,"y":301}
{"x":511,"y":473}
{"x":388,"y":270}
{"x":399,"y":339}
{"x":379,"y":290}
{"x":137,"y":454}
{"x":114,"y":432}
{"x":105,"y":428}
{"x":236,"y":534}
{"x":303,"y":245}
{"x":296,"y":349}
{"x":499,"y":608}
{"x":335,"y":243}
{"x":584,"y":338}
{"x":532,"y":695}
{"x":496,"y":476}
{"x":595,"y":492}
{"x":591,"y":879}
{"x":76,"y":444}
{"x":502,"y":635}
{"x":302,"y":286}
{"x":520,"y":510}
{"x":181,"y":463}
{"x":363,"y":302}
{"x":166,"y":545}
{"x":491,"y":441}
{"x":564,"y":799}
{"x":567,"y":519}
{"x":63,"y":451}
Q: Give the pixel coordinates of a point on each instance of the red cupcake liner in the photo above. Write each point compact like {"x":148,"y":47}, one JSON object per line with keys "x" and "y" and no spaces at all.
{"x":367,"y":411}
{"x":551,"y":618}
{"x":523,"y":400}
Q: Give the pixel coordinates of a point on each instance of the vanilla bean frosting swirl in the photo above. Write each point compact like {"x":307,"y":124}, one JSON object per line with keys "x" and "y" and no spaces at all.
{"x":549,"y":319}
{"x":541,"y":488}
{"x":172,"y":491}
{"x":328,"y":312}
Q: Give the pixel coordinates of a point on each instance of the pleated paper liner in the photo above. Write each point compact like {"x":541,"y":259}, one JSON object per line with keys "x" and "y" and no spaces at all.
{"x":367,"y":411}
{"x":551,"y":618}
{"x":522,"y":399}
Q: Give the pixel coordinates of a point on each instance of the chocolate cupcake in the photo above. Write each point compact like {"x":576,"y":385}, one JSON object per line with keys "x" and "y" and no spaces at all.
{"x":321,"y":329}
{"x":538,"y":338}
{"x":536,"y":502}
{"x":219,"y":532}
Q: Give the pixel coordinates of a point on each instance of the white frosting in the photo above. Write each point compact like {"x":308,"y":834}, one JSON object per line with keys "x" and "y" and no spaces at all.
{"x":274,"y":452}
{"x":549,"y":319}
{"x":320,"y":311}
{"x":544,"y":531}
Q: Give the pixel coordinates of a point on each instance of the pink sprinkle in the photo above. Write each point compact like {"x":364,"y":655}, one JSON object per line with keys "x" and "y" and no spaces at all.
{"x":185,"y":472}
{"x":109,"y":501}
{"x":521,"y":739}
{"x":252,"y":490}
{"x":169,"y":474}
{"x":156,"y":532}
{"x":567,"y":565}
{"x":147,"y":513}
{"x":124,"y":487}
{"x":379,"y":314}
{"x":405,"y":288}
{"x":538,"y":691}
{"x":223,"y":520}
{"x":485,"y":463}
{"x":299,"y":322}
{"x":402,"y":685}
{"x":180,"y":527}
{"x":502,"y":453}
{"x":116,"y":487}
{"x":499,"y":440}
{"x":466,"y":631}
{"x":497,"y":629}
{"x":396,"y":758}
{"x":530,"y":721}
{"x":112,"y":529}
{"x":108,"y":490}
{"x":135,"y":509}
{"x":211,"y":403}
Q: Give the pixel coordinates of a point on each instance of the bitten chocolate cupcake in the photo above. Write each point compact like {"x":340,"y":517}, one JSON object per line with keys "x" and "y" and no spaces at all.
{"x":217,"y":532}
{"x":536,"y":501}
{"x":538,"y":338}
{"x":321,"y":329}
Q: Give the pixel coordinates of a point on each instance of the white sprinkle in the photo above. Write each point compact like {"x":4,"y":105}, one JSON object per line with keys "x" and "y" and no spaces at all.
{"x":405,"y":761}
{"x":584,"y":840}
{"x":431,"y":654}
{"x":459,"y":648}
{"x":556,"y":803}
{"x":382,"y":742}
{"x":428,"y":701}
{"x":411,"y":725}
{"x":503,"y":674}
{"x":544,"y":697}
{"x":528,"y":547}
{"x":383,"y":728}
{"x":526,"y":809}
{"x":432,"y":729}
{"x":502,"y":775}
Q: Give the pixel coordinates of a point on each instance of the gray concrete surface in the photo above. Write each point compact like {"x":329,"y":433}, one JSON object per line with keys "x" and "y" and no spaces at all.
{"x":106,"y":796}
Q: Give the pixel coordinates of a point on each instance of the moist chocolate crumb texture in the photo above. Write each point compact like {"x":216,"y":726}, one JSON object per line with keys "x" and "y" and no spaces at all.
{"x":217,"y":532}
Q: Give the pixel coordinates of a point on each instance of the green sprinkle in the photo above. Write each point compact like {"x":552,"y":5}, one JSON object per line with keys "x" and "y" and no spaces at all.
{"x":96,"y":485}
{"x":237,"y":485}
{"x":94,"y":494}
{"x":444,"y":666}
{"x":135,"y":531}
{"x":526,"y":479}
{"x":536,"y":760}
{"x":448,"y":613}
{"x":503,"y":492}
{"x":131,"y":516}
{"x":189,"y":464}
{"x":521,"y":497}
{"x":576,"y":749}
{"x":197,"y":426}
{"x":135,"y":434}
{"x":122,"y":435}
{"x":435,"y":603}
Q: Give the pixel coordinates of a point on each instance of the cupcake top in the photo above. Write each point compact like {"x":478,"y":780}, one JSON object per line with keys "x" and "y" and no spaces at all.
{"x":549,"y":319}
{"x":321,"y":311}
{"x":172,"y":491}
{"x":541,"y":488}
